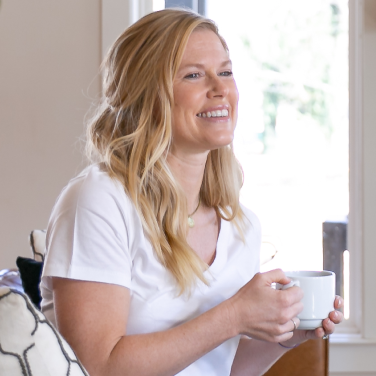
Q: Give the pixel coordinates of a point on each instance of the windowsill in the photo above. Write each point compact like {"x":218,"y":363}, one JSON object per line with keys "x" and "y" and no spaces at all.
{"x":346,"y":339}
{"x":351,"y":354}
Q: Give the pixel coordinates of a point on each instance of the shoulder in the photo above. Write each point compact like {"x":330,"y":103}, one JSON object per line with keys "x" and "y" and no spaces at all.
{"x":92,"y":181}
{"x":93,"y":201}
{"x":91,"y":230}
{"x":93,"y":189}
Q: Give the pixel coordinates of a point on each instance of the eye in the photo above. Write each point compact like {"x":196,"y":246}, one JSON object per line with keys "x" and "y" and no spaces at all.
{"x":192,"y":75}
{"x":227,"y":73}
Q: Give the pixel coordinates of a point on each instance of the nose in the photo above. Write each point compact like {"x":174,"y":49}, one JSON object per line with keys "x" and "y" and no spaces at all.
{"x":217,"y":88}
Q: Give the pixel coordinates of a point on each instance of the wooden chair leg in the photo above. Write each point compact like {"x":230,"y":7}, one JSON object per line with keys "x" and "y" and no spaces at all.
{"x":308,"y":359}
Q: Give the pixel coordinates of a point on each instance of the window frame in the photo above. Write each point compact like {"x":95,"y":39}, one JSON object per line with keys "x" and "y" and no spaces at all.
{"x":353,"y":347}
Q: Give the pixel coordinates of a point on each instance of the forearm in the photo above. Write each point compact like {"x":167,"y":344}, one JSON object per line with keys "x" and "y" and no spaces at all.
{"x":168,"y":352}
{"x":93,"y":318}
{"x":254,"y":358}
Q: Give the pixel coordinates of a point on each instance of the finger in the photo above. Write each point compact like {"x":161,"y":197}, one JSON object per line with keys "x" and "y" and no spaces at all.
{"x":291,"y":299}
{"x":297,"y":294}
{"x":328,"y":326}
{"x":297,"y":322}
{"x":338,"y":302}
{"x":319,"y":333}
{"x":311,"y":334}
{"x":290,"y":326}
{"x":336,"y":317}
{"x":315,"y":334}
{"x":284,"y":337}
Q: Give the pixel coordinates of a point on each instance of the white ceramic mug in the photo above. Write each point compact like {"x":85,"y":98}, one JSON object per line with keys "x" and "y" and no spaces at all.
{"x":319,"y":289}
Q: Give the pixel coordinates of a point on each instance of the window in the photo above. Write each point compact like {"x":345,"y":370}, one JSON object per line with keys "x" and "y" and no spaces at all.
{"x":291,"y":65}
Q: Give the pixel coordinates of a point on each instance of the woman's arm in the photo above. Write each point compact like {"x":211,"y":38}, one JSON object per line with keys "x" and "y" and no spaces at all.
{"x":254,"y":358}
{"x":92,"y":317}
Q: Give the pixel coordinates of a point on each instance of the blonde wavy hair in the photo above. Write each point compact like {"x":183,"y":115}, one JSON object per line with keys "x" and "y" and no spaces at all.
{"x":132,"y":132}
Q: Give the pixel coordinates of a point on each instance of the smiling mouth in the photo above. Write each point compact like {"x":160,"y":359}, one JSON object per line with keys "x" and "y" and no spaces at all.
{"x":216,"y":113}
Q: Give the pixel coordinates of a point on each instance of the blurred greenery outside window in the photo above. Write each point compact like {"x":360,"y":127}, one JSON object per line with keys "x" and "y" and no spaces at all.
{"x":291,"y":66}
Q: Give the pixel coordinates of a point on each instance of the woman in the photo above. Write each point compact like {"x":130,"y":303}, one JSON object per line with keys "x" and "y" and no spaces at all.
{"x":151,"y":262}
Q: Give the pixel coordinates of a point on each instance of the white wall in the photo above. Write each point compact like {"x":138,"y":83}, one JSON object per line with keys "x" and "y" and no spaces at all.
{"x":50,"y":52}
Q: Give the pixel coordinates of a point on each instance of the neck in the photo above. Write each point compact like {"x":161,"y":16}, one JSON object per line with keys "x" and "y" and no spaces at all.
{"x":189,"y":172}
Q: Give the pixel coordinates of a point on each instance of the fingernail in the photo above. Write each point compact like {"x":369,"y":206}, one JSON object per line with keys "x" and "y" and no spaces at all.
{"x":335,"y":314}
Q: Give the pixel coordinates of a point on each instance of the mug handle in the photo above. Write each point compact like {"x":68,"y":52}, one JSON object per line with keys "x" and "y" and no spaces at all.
{"x":279,"y":286}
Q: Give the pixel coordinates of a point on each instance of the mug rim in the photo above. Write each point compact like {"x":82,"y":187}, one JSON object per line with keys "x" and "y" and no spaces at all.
{"x":309,"y":273}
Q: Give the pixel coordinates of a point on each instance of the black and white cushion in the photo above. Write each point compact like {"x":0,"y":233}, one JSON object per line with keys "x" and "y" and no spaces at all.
{"x":30,"y":270}
{"x":29,"y":343}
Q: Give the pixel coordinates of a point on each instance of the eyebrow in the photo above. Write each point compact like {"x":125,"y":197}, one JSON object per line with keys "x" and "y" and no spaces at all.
{"x":197,"y":65}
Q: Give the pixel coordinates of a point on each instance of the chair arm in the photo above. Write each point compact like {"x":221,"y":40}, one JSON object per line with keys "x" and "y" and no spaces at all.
{"x":11,"y":278}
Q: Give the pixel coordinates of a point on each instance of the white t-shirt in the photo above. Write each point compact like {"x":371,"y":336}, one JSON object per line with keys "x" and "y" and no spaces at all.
{"x":95,"y":234}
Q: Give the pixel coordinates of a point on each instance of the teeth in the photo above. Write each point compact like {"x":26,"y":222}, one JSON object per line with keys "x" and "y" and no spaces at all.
{"x":216,"y":113}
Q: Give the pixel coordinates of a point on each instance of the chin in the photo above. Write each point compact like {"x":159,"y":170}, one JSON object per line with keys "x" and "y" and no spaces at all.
{"x":221,"y":143}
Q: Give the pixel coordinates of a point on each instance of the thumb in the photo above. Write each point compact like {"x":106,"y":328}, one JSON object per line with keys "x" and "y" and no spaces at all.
{"x":276,"y":275}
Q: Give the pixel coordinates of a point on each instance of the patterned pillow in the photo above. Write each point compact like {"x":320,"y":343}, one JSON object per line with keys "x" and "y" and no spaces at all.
{"x":29,"y":343}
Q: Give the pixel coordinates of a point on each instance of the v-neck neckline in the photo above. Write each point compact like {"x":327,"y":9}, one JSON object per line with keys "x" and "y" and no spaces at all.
{"x":220,"y":250}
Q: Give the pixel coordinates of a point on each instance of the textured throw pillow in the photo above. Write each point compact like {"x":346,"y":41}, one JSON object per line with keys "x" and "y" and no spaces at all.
{"x":29,"y":344}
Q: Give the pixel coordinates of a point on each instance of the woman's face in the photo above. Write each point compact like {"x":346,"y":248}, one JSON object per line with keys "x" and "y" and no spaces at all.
{"x":205,"y":95}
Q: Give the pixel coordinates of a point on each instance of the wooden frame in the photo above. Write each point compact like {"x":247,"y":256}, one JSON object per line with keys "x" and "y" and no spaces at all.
{"x":311,"y":358}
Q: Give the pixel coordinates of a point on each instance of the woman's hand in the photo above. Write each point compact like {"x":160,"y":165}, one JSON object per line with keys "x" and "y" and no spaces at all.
{"x":328,"y":326}
{"x":264,"y":313}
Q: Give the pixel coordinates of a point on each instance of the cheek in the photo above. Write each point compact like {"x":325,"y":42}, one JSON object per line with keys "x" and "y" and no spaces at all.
{"x":187,"y":98}
{"x":235,"y":93}
{"x":236,"y":101}
{"x":178,"y":121}
{"x":178,"y":117}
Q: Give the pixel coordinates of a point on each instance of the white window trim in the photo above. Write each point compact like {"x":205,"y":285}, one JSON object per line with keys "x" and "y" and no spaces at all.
{"x":353,"y":348}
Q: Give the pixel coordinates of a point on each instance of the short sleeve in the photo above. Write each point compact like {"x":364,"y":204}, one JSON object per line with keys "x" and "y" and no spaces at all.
{"x":87,"y":235}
